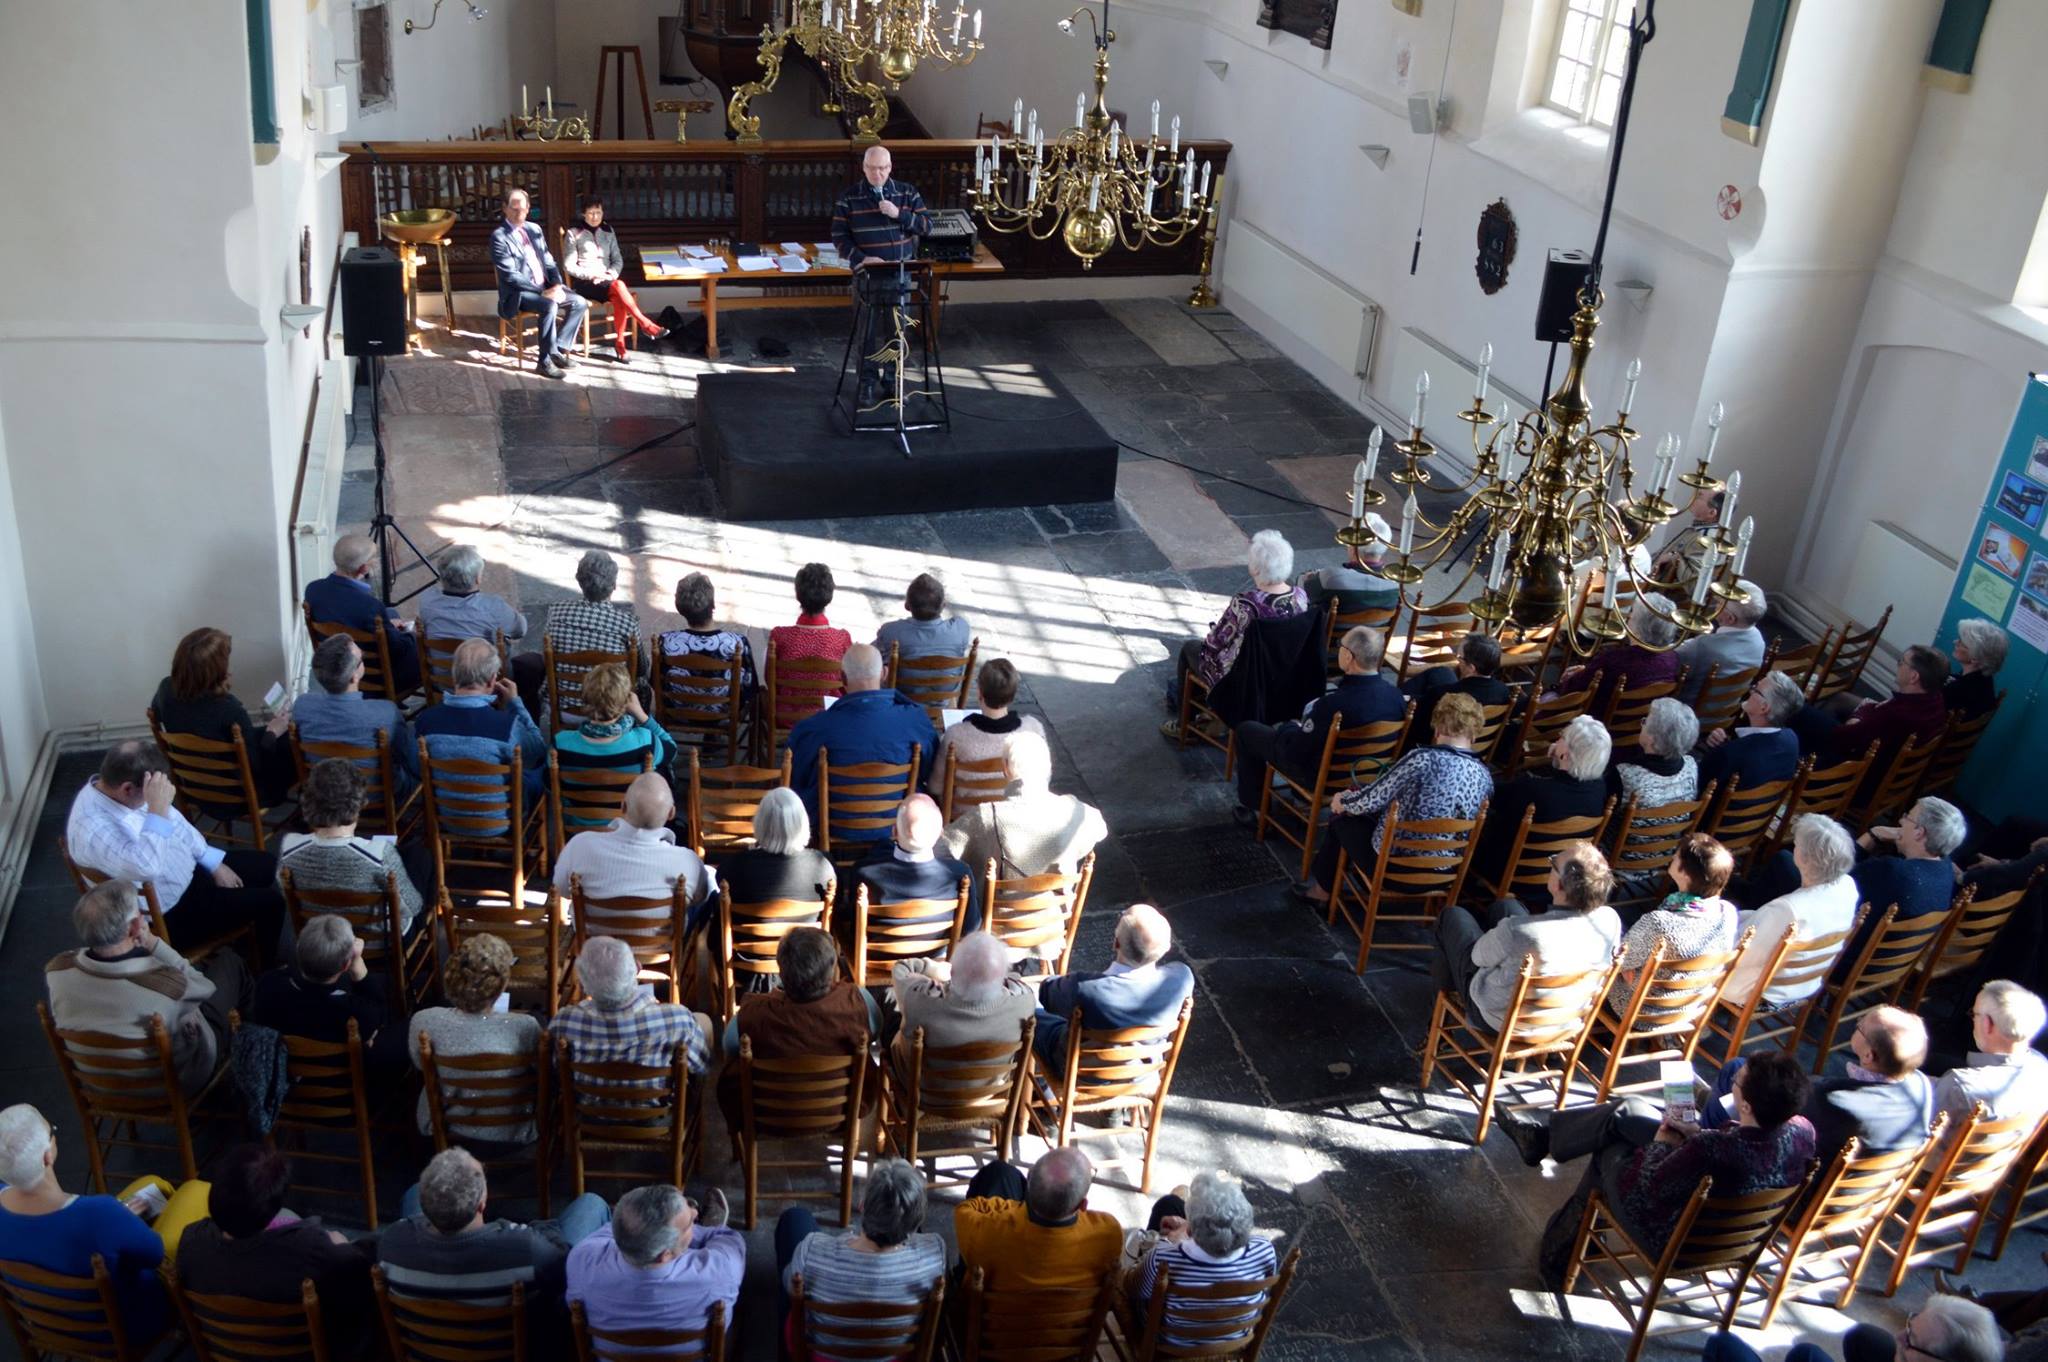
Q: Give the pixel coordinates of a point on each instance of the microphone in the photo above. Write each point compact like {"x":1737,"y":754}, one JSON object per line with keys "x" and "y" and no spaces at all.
{"x":880,"y":190}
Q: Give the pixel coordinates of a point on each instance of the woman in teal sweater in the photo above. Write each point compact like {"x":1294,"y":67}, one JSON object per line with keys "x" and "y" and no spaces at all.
{"x":615,"y":733}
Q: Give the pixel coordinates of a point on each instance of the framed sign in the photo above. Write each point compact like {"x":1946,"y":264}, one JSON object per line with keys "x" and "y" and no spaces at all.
{"x":1310,"y":19}
{"x":1496,"y":246}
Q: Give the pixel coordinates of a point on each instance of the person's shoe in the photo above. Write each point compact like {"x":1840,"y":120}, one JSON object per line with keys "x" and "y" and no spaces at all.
{"x":547,"y":368}
{"x":1305,"y":890}
{"x":653,"y":333}
{"x":565,"y":360}
{"x":1531,"y":1134}
{"x":1944,"y":1286}
{"x":1245,"y":817}
{"x":1170,"y":730}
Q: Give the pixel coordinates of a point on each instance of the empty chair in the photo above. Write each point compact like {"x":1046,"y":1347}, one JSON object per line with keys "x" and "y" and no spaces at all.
{"x":723,"y":801}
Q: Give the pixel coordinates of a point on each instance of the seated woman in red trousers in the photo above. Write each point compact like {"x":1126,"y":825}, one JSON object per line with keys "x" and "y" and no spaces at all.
{"x":593,"y":262}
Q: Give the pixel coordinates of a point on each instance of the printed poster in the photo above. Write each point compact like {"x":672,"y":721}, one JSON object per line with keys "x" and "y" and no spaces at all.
{"x":2022,"y":499}
{"x":2002,"y":549}
{"x":1988,"y":592}
{"x":2037,"y":459}
{"x":2029,"y":622}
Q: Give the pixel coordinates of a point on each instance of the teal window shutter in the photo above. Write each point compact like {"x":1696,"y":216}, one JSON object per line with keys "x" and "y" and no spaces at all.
{"x":262,"y":93}
{"x":1743,"y":118}
{"x":1953,"y":54}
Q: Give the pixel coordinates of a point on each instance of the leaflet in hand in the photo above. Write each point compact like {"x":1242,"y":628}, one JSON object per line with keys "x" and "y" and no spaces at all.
{"x":1681,"y":1103}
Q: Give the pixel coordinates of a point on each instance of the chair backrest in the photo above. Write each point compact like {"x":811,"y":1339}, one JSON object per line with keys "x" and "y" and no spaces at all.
{"x":652,"y":927}
{"x":1424,"y":858}
{"x":1528,"y":864}
{"x":484,"y":1092}
{"x":1528,"y":743}
{"x":865,"y":1331}
{"x":701,"y":694}
{"x":1894,"y":792}
{"x":567,"y":671}
{"x":862,"y":797}
{"x":380,"y":796}
{"x":1033,"y":1326}
{"x":1343,"y":622}
{"x":1731,"y":1233}
{"x":722,"y":802}
{"x":616,"y":1104}
{"x":533,"y":931}
{"x":54,"y":1314}
{"x":1030,"y":911}
{"x":978,"y":1082}
{"x":1110,"y":1064}
{"x":1974,"y":1159}
{"x":1742,"y":819}
{"x":1434,"y":633}
{"x":1216,"y":1321}
{"x":1363,"y":751}
{"x":437,"y":662}
{"x":374,"y":915}
{"x":795,"y":689}
{"x":649,"y":1345}
{"x":1551,"y":1014}
{"x":1827,"y":790}
{"x":373,"y":644}
{"x":419,"y":1329}
{"x":1719,"y":701}
{"x":1853,"y":1193}
{"x":908,"y":929}
{"x":588,"y":797}
{"x":1896,"y":949}
{"x":120,"y":1079}
{"x":1647,"y":838}
{"x":1844,"y":667}
{"x":1493,"y":725}
{"x":969,"y":783}
{"x":214,"y":778}
{"x":1628,"y":708}
{"x":326,"y":1083}
{"x":234,"y":1328}
{"x":936,"y":681}
{"x":1807,"y":960}
{"x":1801,"y":662}
{"x":1972,"y":925}
{"x":750,"y":933}
{"x":1958,"y":744}
{"x":470,"y":801}
{"x":804,"y":1095}
{"x":1674,"y":997}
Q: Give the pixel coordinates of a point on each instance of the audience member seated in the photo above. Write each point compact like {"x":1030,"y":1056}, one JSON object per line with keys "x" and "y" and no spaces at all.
{"x":1136,"y":990}
{"x":1206,"y":1240}
{"x":615,"y":734}
{"x":332,"y":857}
{"x":1479,"y":952}
{"x":1361,"y":696}
{"x":327,"y":987}
{"x":782,"y":863}
{"x":1735,"y":645}
{"x":593,"y":262}
{"x":1356,"y":584}
{"x":1662,"y":771}
{"x":1680,"y":552}
{"x":968,"y":999}
{"x":1573,"y":785}
{"x":442,"y":1248}
{"x":662,"y":1263}
{"x":1269,"y":597}
{"x":1914,"y":713}
{"x":697,"y":603}
{"x":1907,"y":865}
{"x":337,"y":711}
{"x":597,"y":623}
{"x":1946,"y":1328}
{"x":2005,"y":1072}
{"x":250,"y":1246}
{"x":1765,"y":750}
{"x":1825,"y":903}
{"x":44,"y":1226}
{"x":1476,"y":673}
{"x":910,"y":866}
{"x":929,"y":632}
{"x":813,"y":1011}
{"x":2007,"y":856}
{"x":195,"y":700}
{"x":637,"y":856}
{"x":886,"y":1260}
{"x":1036,"y":1233}
{"x":1031,"y":830}
{"x":456,"y":607}
{"x":123,"y":824}
{"x":477,"y":974}
{"x":1692,"y":920}
{"x":483,"y":719}
{"x":1980,"y":652}
{"x":346,"y":596}
{"x":124,"y":975}
{"x":1628,"y":663}
{"x":1883,"y":1100}
{"x":867,"y":724}
{"x":986,"y":734}
{"x":1647,"y":1165}
{"x":812,"y":637}
{"x":619,"y":1022}
{"x":529,"y":280}
{"x":1443,"y":780}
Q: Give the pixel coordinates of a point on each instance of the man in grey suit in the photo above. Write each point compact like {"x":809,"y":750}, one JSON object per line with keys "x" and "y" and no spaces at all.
{"x":529,"y":280}
{"x":1736,"y":645}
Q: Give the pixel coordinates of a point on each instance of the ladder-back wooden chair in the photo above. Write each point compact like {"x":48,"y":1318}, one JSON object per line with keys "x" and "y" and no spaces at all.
{"x":968,"y":783}
{"x":1103,"y":1070}
{"x":375,"y":917}
{"x":749,"y":934}
{"x":587,"y":798}
{"x":1880,"y":973}
{"x":1032,"y":1326}
{"x":121,"y":1083}
{"x":620,"y":1108}
{"x":1745,"y":819}
{"x":1847,"y":659}
{"x":1825,"y":790}
{"x":908,"y":929}
{"x":1224,"y":1322}
{"x":437,"y":663}
{"x":721,"y":802}
{"x":865,"y":1331}
{"x":1421,"y":865}
{"x":235,"y":1328}
{"x":424,"y":1329}
{"x":1719,"y":701}
{"x":327,"y":1099}
{"x":57,"y":1315}
{"x":479,"y":824}
{"x":1526,"y":871}
{"x":379,"y":676}
{"x":494,"y":1101}
{"x":1952,"y":1196}
{"x":540,"y":967}
{"x":1660,"y":1018}
{"x":1893,"y":793}
{"x":1493,"y":726}
{"x":649,"y":1345}
{"x":1645,"y":839}
{"x":383,"y":811}
{"x":567,"y":671}
{"x":652,"y":928}
{"x":1832,"y":1228}
{"x":84,"y":877}
{"x":815,"y":1099}
{"x":1526,"y":742}
{"x":2023,"y":1192}
{"x":216,"y":784}
{"x":1958,"y":744}
{"x":1628,"y":709}
{"x":1343,"y":622}
{"x":1434,"y":633}
{"x":1039,"y":915}
{"x":858,"y":801}
{"x":792,"y":690}
{"x":1794,"y":963}
{"x":1972,"y":926}
{"x":1801,"y":662}
{"x":957,"y":1100}
{"x":1351,"y":756}
{"x":937,"y":681}
{"x":700,"y":700}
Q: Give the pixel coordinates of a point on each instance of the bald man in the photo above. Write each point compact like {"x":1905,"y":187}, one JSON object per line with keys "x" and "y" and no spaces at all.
{"x":910,"y":863}
{"x":346,"y":596}
{"x":1138,"y":989}
{"x":1036,"y":1234}
{"x":866,"y":724}
{"x":637,"y":856}
{"x":877,"y":222}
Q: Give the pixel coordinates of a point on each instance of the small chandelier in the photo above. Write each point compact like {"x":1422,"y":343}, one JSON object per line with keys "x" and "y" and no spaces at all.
{"x":1091,"y":184}
{"x":842,"y":36}
{"x":898,"y":34}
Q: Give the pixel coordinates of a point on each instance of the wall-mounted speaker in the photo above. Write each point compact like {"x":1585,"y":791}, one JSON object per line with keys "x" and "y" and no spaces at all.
{"x":1564,"y":275}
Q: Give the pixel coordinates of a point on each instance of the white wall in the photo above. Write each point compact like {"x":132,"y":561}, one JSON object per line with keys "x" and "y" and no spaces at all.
{"x":457,"y":74}
{"x":24,"y":720}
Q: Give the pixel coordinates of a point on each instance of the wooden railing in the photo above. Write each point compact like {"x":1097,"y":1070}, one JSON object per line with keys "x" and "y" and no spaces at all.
{"x":668,"y":193}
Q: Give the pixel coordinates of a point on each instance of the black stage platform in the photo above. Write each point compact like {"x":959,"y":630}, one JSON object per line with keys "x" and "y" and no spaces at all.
{"x":778,"y":451}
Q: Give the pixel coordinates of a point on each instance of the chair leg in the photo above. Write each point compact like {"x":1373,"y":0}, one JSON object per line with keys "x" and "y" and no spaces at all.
{"x":1429,"y":1047}
{"x":750,"y":1160}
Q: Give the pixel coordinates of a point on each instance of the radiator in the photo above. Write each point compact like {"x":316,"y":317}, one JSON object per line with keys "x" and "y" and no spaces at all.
{"x":1451,"y":380}
{"x":1332,"y":317}
{"x":1892,"y":568}
{"x":320,"y":498}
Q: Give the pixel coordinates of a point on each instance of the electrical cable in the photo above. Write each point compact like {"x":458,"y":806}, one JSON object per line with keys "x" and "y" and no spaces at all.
{"x":1422,"y":205}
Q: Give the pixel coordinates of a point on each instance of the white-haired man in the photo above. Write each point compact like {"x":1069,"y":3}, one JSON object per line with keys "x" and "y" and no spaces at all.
{"x":637,"y":856}
{"x":866,"y":724}
{"x":346,"y":596}
{"x":1945,"y":1328}
{"x":1573,"y":785}
{"x":968,"y":999}
{"x":1356,"y":584}
{"x":1031,"y":830}
{"x":912,"y":865}
{"x":1735,"y":645}
{"x":443,"y":1248}
{"x":1140,"y":987}
{"x":482,"y":718}
{"x":2005,"y":1072}
{"x":620,"y":1022}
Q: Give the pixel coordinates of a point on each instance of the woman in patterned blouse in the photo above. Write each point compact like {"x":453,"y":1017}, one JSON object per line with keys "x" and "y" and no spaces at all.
{"x":697,"y":603}
{"x":1692,"y":920}
{"x":1270,"y":597}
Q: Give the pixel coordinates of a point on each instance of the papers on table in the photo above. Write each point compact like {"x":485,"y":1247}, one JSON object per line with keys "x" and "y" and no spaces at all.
{"x":824,"y":248}
{"x":792,"y":248}
{"x":659,"y":263}
{"x":792,"y":264}
{"x":699,"y":252}
{"x":753,"y":264}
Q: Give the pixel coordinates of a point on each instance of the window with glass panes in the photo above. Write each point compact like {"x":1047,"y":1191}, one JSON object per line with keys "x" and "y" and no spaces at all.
{"x":1591,"y":58}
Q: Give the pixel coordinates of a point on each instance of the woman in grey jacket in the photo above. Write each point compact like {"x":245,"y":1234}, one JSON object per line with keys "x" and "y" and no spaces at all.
{"x":592,"y":260}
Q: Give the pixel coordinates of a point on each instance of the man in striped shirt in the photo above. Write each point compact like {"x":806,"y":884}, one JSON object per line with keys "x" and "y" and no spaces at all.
{"x":877,"y":222}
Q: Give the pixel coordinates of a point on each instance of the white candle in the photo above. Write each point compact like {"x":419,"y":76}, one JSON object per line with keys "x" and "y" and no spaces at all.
{"x":1728,"y":500}
{"x":995,"y":141}
{"x":977,"y":25}
{"x":525,"y":108}
{"x":1032,"y":191}
{"x":1115,"y":138}
{"x":1485,"y":363}
{"x":1150,"y":148}
{"x":1187,"y":167}
{"x":1155,"y":120}
{"x":1031,"y":128}
{"x":1372,"y":452}
{"x":1094,"y":193}
{"x":1408,"y":526}
{"x":959,"y":17}
{"x":1499,"y":571}
{"x":1174,"y":150}
{"x":1715,"y":416}
{"x":1358,"y":477}
{"x":1151,"y":187}
{"x":980,"y":169}
{"x":878,"y":30}
{"x":1080,"y":109}
{"x":1613,"y":582}
{"x":551,"y":101}
{"x":852,"y":15}
{"x":1421,"y":398}
{"x":1706,"y":577}
{"x":1206,"y":168}
{"x":1187,"y":187}
{"x":1628,"y":394}
{"x":828,"y":14}
{"x":1742,"y":537}
{"x":1017,"y":115}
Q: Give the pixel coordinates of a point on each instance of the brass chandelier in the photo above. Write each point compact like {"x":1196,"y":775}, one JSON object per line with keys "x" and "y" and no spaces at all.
{"x":844,"y":37}
{"x":1091,"y":184}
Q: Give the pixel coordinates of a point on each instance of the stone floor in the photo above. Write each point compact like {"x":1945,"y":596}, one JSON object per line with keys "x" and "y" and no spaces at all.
{"x":1300,"y":1075}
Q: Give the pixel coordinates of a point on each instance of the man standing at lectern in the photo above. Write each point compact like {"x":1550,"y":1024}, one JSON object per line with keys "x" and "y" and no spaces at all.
{"x":529,"y":280}
{"x":877,"y":222}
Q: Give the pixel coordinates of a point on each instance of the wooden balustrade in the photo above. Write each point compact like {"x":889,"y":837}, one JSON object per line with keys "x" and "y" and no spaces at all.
{"x":665,"y":194}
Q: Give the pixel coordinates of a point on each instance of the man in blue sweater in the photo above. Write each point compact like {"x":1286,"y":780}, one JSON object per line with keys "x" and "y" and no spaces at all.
{"x":1920,"y":879}
{"x":346,"y":597}
{"x":1134,"y":991}
{"x":483,"y":719}
{"x":866,"y":724}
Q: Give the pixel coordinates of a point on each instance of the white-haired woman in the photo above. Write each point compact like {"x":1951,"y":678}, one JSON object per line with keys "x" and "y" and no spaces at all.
{"x":1980,"y":652}
{"x":781,"y":864}
{"x":1270,"y":597}
{"x":1204,"y":1240}
{"x":1573,"y":785}
{"x":1662,"y":770}
{"x":1031,"y":830}
{"x":1825,"y":903}
{"x":1650,"y":662}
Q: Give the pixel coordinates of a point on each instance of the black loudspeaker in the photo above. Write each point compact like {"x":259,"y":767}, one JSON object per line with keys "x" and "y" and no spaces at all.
{"x":372,"y":303}
{"x":1563,"y":277}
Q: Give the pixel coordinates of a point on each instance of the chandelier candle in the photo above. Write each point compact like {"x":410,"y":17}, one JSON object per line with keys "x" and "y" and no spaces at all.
{"x":1628,"y":394}
{"x":1408,"y":525}
{"x":1372,"y":453}
{"x":1714,"y":418}
{"x":1705,"y":581}
{"x":1608,"y":587}
{"x":1485,"y":363}
{"x":1415,"y":417}
{"x":1358,"y":481}
{"x":1498,"y":572}
{"x":1728,"y":500}
{"x":1742,"y":536}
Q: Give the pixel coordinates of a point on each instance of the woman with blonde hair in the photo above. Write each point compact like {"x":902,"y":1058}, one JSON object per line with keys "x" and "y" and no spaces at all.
{"x":476,"y":976}
{"x":615,"y":733}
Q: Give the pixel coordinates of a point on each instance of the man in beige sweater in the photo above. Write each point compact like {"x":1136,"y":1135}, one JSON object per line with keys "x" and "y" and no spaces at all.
{"x":969,"y":999}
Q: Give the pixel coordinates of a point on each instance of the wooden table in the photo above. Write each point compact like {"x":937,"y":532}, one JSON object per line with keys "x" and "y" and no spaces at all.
{"x":711,"y":299}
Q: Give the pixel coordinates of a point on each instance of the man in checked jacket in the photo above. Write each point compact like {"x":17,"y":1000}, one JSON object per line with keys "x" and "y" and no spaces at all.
{"x":874,"y":223}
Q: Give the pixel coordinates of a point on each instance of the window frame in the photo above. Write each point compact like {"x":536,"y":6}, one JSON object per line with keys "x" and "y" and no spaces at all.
{"x":1614,"y":28}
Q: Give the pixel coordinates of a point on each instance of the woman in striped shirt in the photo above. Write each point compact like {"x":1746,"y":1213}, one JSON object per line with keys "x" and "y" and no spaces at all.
{"x":885,"y":1261}
{"x":1211,"y":1244}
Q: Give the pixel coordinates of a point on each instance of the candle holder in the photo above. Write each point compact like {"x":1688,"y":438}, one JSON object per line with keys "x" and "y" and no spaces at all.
{"x":1695,"y":619}
{"x":1404,"y":572}
{"x":1647,"y":514}
{"x":1491,"y":606}
{"x":1602,"y":622}
{"x":1729,"y":587}
{"x":1356,"y":535}
{"x":1477,"y":416}
{"x":1701,"y":480}
{"x":544,"y":128}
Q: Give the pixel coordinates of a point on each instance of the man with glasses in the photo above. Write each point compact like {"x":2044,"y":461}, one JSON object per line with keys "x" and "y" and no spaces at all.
{"x":1765,"y":750}
{"x":1947,"y":1329}
{"x":2005,"y":1072}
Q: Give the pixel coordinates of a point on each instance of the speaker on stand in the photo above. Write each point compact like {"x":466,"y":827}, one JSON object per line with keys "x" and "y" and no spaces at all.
{"x":373,"y":327}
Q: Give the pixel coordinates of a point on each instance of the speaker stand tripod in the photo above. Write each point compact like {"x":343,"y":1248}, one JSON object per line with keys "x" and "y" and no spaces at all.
{"x":383,"y":525}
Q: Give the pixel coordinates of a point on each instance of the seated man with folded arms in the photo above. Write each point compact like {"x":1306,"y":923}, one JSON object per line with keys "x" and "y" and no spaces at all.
{"x":662,"y":1263}
{"x":482,"y":718}
{"x":2005,"y":1072}
{"x":443,"y":1248}
{"x":967,"y":1000}
{"x":619,"y":1022}
{"x":1361,"y":696}
{"x":812,"y":1012}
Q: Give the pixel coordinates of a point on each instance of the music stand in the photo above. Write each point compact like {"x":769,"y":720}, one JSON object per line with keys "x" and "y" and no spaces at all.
{"x":892,"y":312}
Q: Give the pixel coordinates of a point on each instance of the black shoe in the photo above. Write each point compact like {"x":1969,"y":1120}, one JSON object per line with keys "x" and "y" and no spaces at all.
{"x":1303,"y":890}
{"x":1531,"y":1134}
{"x":547,"y":368}
{"x":1245,"y":817}
{"x":565,"y":360}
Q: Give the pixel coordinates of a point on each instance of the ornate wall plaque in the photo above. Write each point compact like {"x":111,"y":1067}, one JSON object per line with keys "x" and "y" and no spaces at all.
{"x":1496,"y":246}
{"x":1310,"y":19}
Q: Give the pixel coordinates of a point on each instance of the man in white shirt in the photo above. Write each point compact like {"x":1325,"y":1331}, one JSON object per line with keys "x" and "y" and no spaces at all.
{"x":1736,"y":645}
{"x":124,"y":826}
{"x":1823,"y":905}
{"x":2006,"y":1073}
{"x":637,"y":856}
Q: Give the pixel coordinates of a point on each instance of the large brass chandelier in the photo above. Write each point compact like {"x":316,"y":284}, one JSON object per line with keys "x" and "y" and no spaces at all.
{"x":844,"y":37}
{"x":1091,"y":184}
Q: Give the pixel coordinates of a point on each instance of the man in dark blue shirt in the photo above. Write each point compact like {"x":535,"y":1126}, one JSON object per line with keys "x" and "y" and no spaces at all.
{"x":1920,"y":878}
{"x":877,"y":222}
{"x":346,"y":597}
{"x":1361,"y":697}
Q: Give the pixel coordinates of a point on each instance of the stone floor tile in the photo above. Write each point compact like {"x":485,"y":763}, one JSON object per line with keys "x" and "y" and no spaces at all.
{"x":1170,"y":332}
{"x":1182,"y":520}
{"x":1114,"y":551}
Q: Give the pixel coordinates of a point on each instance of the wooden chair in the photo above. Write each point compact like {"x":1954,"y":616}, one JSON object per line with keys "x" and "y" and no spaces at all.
{"x":1833,"y":1227}
{"x":1846,"y":660}
{"x":1031,"y":1326}
{"x":327,"y":1098}
{"x":1799,"y":663}
{"x":1531,"y":651}
{"x":615,"y":1106}
{"x":792,"y":690}
{"x":866,"y":1331}
{"x":1201,"y":722}
{"x":1033,"y":912}
{"x":437,"y":663}
{"x":1104,"y":1070}
{"x":909,"y":929}
{"x":649,"y":1345}
{"x":118,"y":1084}
{"x":1628,"y":709}
{"x":1343,"y":622}
{"x":1422,"y":864}
{"x":235,"y":1328}
{"x":861,"y":799}
{"x":653,"y":928}
{"x":968,"y":783}
{"x":1527,"y":742}
{"x":938,"y":682}
{"x":1662,"y":1017}
{"x":216,"y":784}
{"x":512,"y":332}
{"x":1225,"y":1322}
{"x":478,"y":822}
{"x":1719,"y":701}
{"x":379,"y":676}
{"x":1351,"y":756}
{"x":975,"y":1092}
{"x":582,"y":798}
{"x":748,"y":935}
{"x":1893,"y":794}
{"x":1715,"y":1237}
{"x":422,"y":1329}
{"x":1526,"y":871}
{"x":1968,"y":933}
{"x":1434,"y":633}
{"x":540,"y":972}
{"x":810,"y":1098}
{"x":566,"y":672}
{"x":721,"y":803}
{"x":499,"y":1093}
{"x":1493,"y":726}
{"x":84,"y":877}
{"x":1548,"y":1019}
{"x":383,"y":811}
{"x":1825,"y":790}
{"x":1793,"y":963}
{"x":374,"y":916}
{"x":56,"y":1315}
{"x":1958,"y":744}
{"x":1897,"y":950}
{"x":2023,"y":1190}
{"x":697,"y":696}
{"x":1954,"y":1193}
{"x":1744,"y":820}
{"x":1646,"y":839}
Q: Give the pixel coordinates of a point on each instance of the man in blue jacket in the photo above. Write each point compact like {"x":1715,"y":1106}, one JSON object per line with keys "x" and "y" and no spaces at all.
{"x":346,"y":597}
{"x":1135,"y":991}
{"x":529,"y":280}
{"x":1362,"y":696}
{"x":866,"y":724}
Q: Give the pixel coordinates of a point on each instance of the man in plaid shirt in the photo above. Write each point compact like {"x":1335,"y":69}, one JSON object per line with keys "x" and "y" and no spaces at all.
{"x":618,"y":1023}
{"x":597,"y":623}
